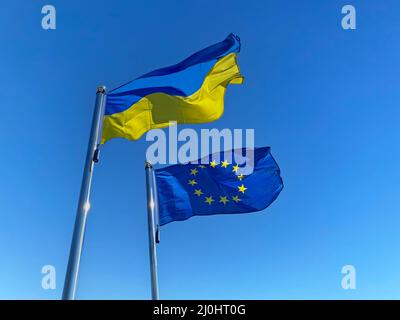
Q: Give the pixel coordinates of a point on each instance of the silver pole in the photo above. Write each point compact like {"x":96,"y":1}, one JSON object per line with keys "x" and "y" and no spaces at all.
{"x":151,"y":192}
{"x":71,"y":277}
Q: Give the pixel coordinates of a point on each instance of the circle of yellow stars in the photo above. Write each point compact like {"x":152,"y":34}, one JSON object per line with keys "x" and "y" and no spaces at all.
{"x":222,"y":199}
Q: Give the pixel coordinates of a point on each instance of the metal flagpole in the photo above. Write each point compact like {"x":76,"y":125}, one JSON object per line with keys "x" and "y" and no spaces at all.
{"x":71,"y":277}
{"x":152,"y":212}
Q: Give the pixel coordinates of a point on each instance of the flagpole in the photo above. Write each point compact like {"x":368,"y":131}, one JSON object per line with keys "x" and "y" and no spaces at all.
{"x":152,"y":212}
{"x":71,"y":277}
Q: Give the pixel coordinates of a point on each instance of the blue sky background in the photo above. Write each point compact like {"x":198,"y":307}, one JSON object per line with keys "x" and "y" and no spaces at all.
{"x":326,"y":100}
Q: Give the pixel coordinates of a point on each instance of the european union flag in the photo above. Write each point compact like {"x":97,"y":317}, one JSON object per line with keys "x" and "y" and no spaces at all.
{"x":186,"y":190}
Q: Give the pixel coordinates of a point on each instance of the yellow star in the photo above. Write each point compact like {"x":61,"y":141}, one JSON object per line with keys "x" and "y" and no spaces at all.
{"x":202,"y":166}
{"x":198,"y":192}
{"x":192,"y":182}
{"x":242,"y":188}
{"x":213,"y":164}
{"x":209,"y":200}
{"x":235,"y":168}
{"x":224,"y":164}
{"x":193,"y":171}
{"x":224,"y":200}
{"x":236,"y":199}
{"x":240,"y":176}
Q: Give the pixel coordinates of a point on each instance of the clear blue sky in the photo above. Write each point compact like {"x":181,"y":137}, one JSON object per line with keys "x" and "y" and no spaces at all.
{"x":326,"y":100}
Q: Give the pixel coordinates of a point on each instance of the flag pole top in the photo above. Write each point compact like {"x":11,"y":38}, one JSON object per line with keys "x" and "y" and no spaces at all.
{"x":147,"y":165}
{"x":101,"y":89}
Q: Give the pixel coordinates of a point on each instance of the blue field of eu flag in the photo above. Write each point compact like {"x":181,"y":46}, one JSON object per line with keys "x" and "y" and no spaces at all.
{"x":186,"y":190}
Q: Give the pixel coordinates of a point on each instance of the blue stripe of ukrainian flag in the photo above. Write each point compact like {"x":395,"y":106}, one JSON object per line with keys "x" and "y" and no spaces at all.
{"x":218,"y":188}
{"x":191,"y":91}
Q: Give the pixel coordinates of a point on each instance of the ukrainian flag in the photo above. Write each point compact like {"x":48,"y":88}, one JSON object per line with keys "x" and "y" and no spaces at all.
{"x":191,"y":91}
